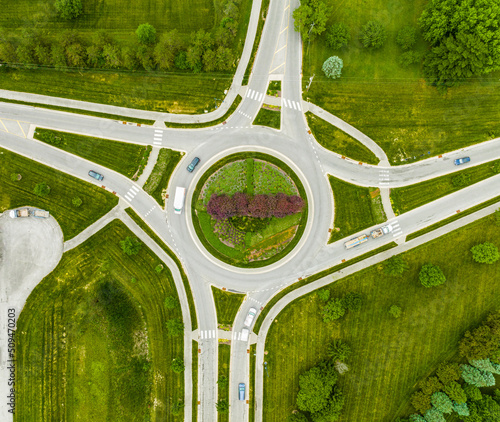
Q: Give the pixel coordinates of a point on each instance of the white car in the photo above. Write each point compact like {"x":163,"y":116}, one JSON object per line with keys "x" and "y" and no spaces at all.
{"x":251,"y":315}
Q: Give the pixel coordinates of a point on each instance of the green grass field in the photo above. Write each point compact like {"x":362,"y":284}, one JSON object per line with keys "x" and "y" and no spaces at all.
{"x":390,"y":356}
{"x":393,"y":105}
{"x":94,"y":340}
{"x":271,"y":118}
{"x":223,"y":387}
{"x":227,"y":305}
{"x":158,"y":180}
{"x":195,"y":380}
{"x":335,"y":140}
{"x":413,"y":196}
{"x":355,"y":209}
{"x":123,"y":157}
{"x":96,"y":202}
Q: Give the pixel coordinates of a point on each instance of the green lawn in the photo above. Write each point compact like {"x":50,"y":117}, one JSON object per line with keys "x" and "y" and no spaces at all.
{"x":271,"y":118}
{"x":125,"y":158}
{"x":413,"y":196}
{"x":223,"y":387}
{"x":355,"y":209}
{"x":251,"y":387}
{"x":195,"y":380}
{"x":227,"y":305}
{"x":157,"y":182}
{"x":96,"y":202}
{"x":94,"y":338}
{"x":336,"y":140}
{"x":390,"y":356}
{"x":393,"y":105}
{"x":149,"y":231}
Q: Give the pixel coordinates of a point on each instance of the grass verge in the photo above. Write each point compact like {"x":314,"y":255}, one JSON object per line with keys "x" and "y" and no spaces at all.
{"x":231,"y":110}
{"x":251,"y":388}
{"x":157,"y":182}
{"x":195,"y":381}
{"x":334,"y":139}
{"x":275,"y":299}
{"x":149,"y":231}
{"x":93,"y":336}
{"x":141,"y":122}
{"x":453,"y":218}
{"x":390,"y":356}
{"x":223,"y":379}
{"x":355,"y":209}
{"x":14,"y":193}
{"x":409,"y":197}
{"x":122,"y":157}
{"x":227,"y":305}
{"x":271,"y":118}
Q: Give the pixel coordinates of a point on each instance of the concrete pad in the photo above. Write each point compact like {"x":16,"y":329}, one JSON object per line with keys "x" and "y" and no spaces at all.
{"x":30,"y":248}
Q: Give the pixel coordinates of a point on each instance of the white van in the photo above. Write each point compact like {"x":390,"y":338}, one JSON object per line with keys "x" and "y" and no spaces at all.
{"x":244,"y":334}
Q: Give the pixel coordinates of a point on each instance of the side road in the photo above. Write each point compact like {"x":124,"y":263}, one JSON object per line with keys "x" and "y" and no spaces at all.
{"x":286,"y":300}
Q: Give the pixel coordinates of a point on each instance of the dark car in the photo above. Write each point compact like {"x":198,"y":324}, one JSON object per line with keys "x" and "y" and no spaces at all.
{"x":462,"y":160}
{"x":193,"y":164}
{"x":96,"y":175}
{"x":241,"y":391}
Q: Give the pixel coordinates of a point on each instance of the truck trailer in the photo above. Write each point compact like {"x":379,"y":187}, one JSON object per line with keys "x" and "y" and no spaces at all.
{"x":40,"y":213}
{"x":356,"y":241}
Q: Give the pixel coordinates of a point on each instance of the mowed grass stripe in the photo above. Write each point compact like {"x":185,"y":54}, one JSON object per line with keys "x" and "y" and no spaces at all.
{"x":226,"y":305}
{"x":390,"y":356}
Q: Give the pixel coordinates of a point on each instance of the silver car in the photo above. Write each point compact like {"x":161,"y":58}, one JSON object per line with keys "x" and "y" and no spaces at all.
{"x":251,"y":315}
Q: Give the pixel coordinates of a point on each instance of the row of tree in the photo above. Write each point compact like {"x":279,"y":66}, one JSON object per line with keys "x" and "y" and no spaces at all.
{"x":221,"y":207}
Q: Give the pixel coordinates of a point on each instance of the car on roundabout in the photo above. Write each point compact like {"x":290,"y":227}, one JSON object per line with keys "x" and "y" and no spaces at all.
{"x":462,"y":160}
{"x":96,"y":175}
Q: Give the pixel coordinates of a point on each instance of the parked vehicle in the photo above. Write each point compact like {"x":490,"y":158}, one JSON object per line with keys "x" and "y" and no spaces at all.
{"x":193,"y":164}
{"x":244,"y":334}
{"x":96,"y":175}
{"x":462,"y":160}
{"x":40,"y":213}
{"x":251,"y":315}
{"x":381,"y":231}
{"x":21,"y":212}
{"x":356,"y":241}
{"x":180,"y":195}
{"x":241,"y":391}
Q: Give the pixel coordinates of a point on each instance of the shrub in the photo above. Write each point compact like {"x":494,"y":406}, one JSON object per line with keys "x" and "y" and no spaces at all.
{"x":339,"y":351}
{"x":395,"y":266}
{"x":222,"y":406}
{"x":337,"y":36}
{"x":332,"y":67}
{"x":159,"y":268}
{"x":461,"y":179}
{"x":171,"y":302}
{"x":69,"y":9}
{"x":177,"y":408}
{"x":431,"y":275}
{"x":131,"y":245}
{"x":41,"y":189}
{"x":485,"y":253}
{"x":352,"y":301}
{"x":395,"y":311}
{"x":408,"y":58}
{"x":76,"y":202}
{"x":407,"y":37}
{"x":13,"y":177}
{"x":333,"y":310}
{"x":177,"y":365}
{"x":146,"y":33}
{"x":324,"y":294}
{"x":373,"y":35}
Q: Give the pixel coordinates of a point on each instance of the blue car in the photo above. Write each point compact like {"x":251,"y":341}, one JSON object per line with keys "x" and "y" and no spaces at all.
{"x":462,"y":160}
{"x":241,"y":390}
{"x":95,"y":175}
{"x":193,"y":164}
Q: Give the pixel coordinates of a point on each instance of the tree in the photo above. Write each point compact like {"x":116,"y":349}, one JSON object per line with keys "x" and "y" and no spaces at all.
{"x":337,"y":36}
{"x":434,"y":415}
{"x":131,"y":245}
{"x":352,"y":301}
{"x":200,"y":42}
{"x":406,"y":37}
{"x":41,"y":189}
{"x":472,"y":392}
{"x":408,"y":58}
{"x":323,"y":294}
{"x":297,"y":417}
{"x":373,"y":35}
{"x":146,"y":33}
{"x":489,"y":409}
{"x":334,"y":309}
{"x":58,"y":56}
{"x":175,"y":327}
{"x":395,"y":266}
{"x":461,"y":408}
{"x":421,"y":401}
{"x":332,"y":67}
{"x":222,"y":406}
{"x":171,"y":302}
{"x":77,"y":202}
{"x":478,"y":344}
{"x":485,"y":253}
{"x":310,"y":18}
{"x":331,"y":412}
{"x":316,"y":387}
{"x":431,"y":275}
{"x":177,"y":365}
{"x":395,"y":311}
{"x":167,"y":48}
{"x":455,"y":392}
{"x":69,"y":9}
{"x":430,"y":385}
{"x":476,"y":377}
{"x":442,"y":402}
{"x":448,"y":372}
{"x":339,"y":351}
{"x":417,"y":418}
{"x":485,"y":365}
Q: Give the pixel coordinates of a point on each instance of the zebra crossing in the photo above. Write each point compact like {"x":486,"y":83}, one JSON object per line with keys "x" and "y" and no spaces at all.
{"x":383,"y":177}
{"x":291,"y":104}
{"x":158,"y":137}
{"x":254,"y":95}
{"x":206,"y":334}
{"x":129,"y":196}
{"x":237,"y":336}
{"x":397,"y":231}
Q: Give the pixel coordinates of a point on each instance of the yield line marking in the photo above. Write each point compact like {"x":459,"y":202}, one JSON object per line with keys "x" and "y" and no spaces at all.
{"x":277,"y":51}
{"x":4,"y":126}
{"x":277,"y":67}
{"x":284,"y":29}
{"x":22,"y":130}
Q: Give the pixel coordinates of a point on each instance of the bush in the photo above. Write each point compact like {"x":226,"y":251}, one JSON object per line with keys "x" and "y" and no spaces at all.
{"x":76,"y":202}
{"x":175,"y":327}
{"x":131,"y":245}
{"x":395,"y":266}
{"x":461,"y":180}
{"x":406,"y":38}
{"x":373,"y":35}
{"x":146,"y":33}
{"x":41,"y":189}
{"x":339,"y":350}
{"x":395,"y":311}
{"x":352,"y":301}
{"x":14,"y":177}
{"x":337,"y":36}
{"x":332,"y":67}
{"x":324,"y":294}
{"x":171,"y":302}
{"x":333,"y":310}
{"x":69,"y":9}
{"x":431,"y":275}
{"x":177,"y":408}
{"x":222,"y":406}
{"x":408,"y":58}
{"x":177,"y":365}
{"x":485,"y":253}
{"x":159,"y":268}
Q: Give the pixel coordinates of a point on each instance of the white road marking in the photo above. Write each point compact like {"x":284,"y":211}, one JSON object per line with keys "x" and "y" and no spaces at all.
{"x":260,"y":96}
{"x":249,"y":92}
{"x":293,"y":103}
{"x":128,"y":198}
{"x":135,"y":188}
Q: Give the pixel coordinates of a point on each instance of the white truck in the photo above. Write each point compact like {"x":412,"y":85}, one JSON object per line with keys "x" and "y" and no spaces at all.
{"x":40,"y":213}
{"x":381,"y":231}
{"x":21,"y":212}
{"x":180,"y":195}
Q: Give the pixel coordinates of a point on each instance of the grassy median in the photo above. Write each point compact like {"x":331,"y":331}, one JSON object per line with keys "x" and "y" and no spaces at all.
{"x":227,"y":305}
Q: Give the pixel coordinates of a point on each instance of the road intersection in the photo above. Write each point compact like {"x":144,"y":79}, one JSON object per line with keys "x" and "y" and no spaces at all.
{"x":279,"y":58}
